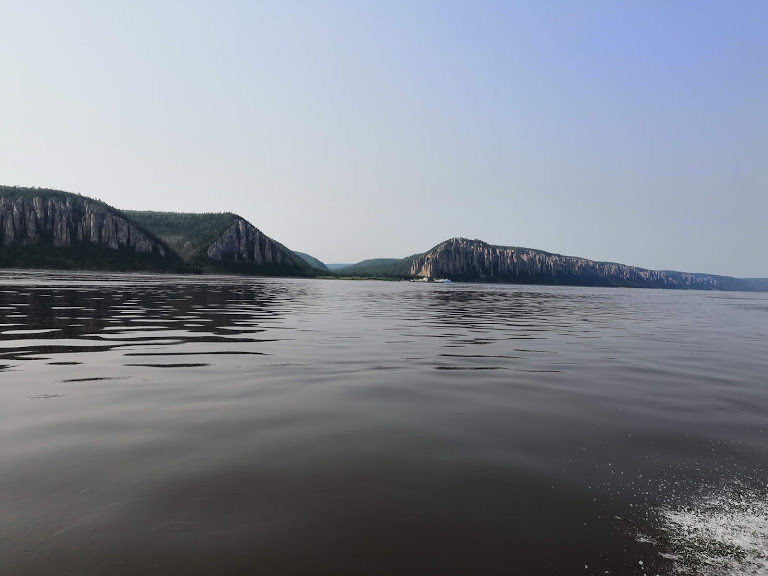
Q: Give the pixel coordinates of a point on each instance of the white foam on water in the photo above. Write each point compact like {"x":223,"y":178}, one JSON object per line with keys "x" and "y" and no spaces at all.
{"x":722,"y":534}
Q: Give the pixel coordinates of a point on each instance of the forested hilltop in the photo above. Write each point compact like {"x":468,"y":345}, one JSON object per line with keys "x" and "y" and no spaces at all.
{"x":312,"y":261}
{"x":189,"y":235}
{"x":378,"y":267}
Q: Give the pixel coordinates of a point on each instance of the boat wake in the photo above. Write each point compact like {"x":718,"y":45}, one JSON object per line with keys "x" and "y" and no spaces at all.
{"x":722,"y":534}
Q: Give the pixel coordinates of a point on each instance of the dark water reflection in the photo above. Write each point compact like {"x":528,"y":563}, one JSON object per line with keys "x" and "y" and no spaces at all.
{"x":161,"y":425}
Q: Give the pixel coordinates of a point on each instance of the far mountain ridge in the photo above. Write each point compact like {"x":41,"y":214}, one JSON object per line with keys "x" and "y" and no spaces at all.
{"x":758,"y":284}
{"x":461,"y":259}
{"x":44,"y":228}
{"x":396,"y":267}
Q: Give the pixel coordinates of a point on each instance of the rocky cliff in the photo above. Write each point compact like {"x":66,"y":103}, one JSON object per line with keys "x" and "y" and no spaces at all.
{"x":243,"y":243}
{"x":41,"y":222}
{"x":221,"y":242}
{"x":462,"y":259}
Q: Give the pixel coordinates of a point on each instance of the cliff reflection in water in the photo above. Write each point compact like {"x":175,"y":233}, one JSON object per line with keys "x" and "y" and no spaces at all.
{"x":102,"y":313}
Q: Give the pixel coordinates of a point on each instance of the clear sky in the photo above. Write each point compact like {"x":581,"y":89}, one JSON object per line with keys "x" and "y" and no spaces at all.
{"x":631,"y":131}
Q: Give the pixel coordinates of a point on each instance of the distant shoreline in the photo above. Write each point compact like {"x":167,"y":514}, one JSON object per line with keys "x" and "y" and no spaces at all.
{"x":235,"y":276}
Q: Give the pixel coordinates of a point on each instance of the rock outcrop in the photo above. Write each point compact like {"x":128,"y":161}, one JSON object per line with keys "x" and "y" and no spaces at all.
{"x":474,"y":260}
{"x":61,"y":220}
{"x":221,"y":242}
{"x":243,"y":243}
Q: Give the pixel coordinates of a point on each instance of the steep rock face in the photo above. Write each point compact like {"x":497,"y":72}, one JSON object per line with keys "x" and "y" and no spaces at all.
{"x":65,"y":221}
{"x":463,"y":259}
{"x":243,"y":243}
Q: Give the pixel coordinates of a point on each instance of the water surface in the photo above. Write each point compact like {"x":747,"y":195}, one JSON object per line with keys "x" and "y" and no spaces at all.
{"x":226,"y":425}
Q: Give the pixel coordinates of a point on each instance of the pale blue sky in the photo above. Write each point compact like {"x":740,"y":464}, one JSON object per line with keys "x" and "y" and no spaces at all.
{"x":628,"y":131}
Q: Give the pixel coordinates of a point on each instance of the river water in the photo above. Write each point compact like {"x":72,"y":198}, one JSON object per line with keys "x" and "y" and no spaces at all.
{"x":227,"y":425}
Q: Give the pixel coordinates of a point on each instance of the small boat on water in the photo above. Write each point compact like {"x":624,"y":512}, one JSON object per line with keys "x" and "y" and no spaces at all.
{"x":435,"y":280}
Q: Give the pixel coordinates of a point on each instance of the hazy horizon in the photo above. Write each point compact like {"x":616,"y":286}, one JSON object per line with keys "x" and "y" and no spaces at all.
{"x":633,"y":133}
